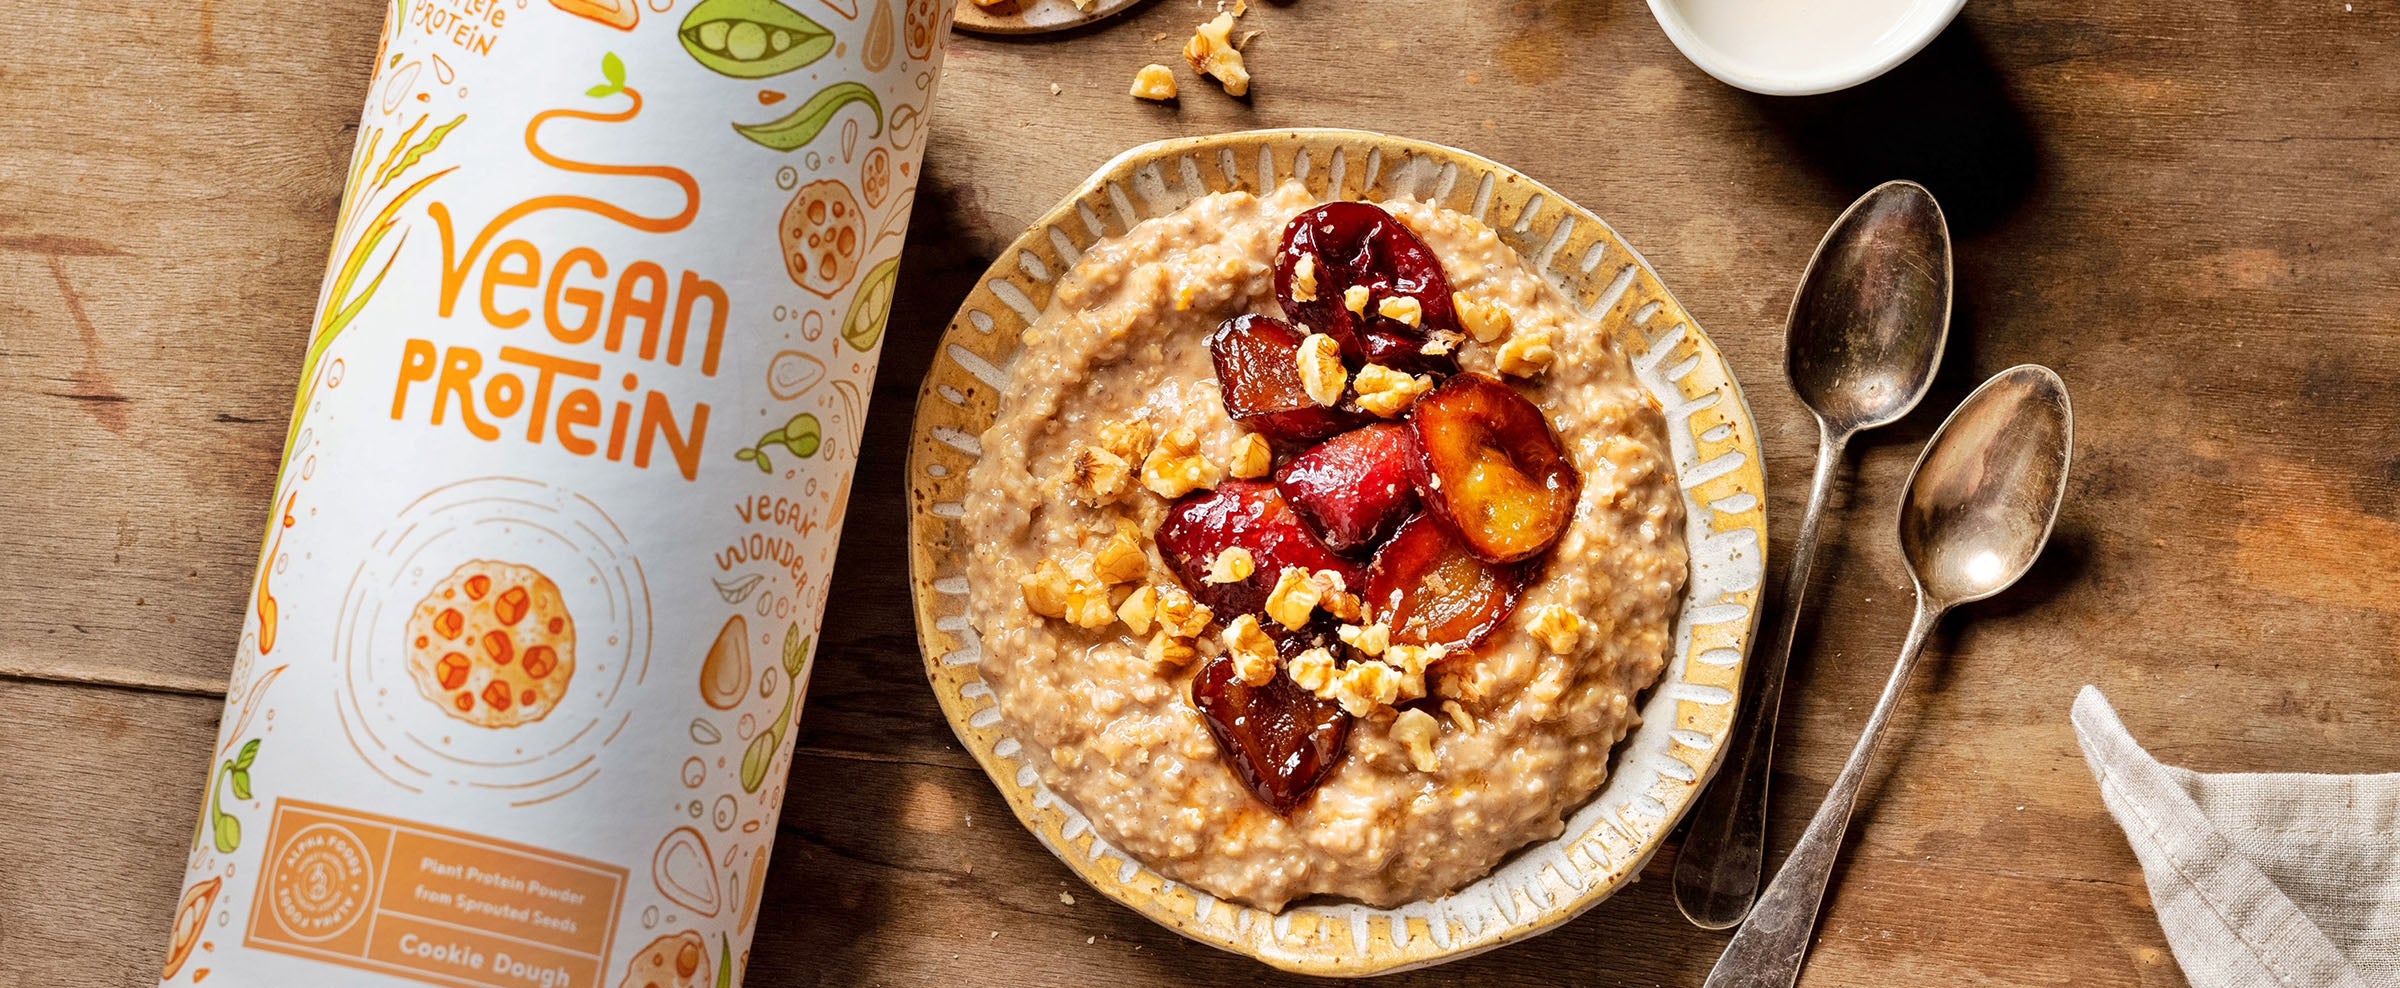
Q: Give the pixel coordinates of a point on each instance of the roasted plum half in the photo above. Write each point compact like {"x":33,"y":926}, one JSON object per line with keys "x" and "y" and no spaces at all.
{"x":1492,"y":468}
{"x":1359,"y":244}
{"x":1260,"y":379}
{"x":1253,"y":515}
{"x":1355,"y":488}
{"x":1281,"y":740}
{"x":1432,"y":590}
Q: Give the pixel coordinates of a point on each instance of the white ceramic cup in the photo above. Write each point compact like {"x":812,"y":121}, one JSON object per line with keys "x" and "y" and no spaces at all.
{"x":1801,"y":47}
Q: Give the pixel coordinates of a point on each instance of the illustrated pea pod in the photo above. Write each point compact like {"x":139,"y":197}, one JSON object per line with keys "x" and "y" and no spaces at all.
{"x":752,"y":39}
{"x":871,"y":308}
{"x":794,"y":131}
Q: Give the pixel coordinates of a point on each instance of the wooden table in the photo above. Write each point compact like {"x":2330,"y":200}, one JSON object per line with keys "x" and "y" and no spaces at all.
{"x":2189,"y":210}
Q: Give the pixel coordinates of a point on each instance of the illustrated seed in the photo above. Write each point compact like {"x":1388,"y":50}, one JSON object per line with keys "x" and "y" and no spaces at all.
{"x":780,"y":40}
{"x":510,"y":608}
{"x":478,"y":585}
{"x":746,"y":41}
{"x":712,"y":35}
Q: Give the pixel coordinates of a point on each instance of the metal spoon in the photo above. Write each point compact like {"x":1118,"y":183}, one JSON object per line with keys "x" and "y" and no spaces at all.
{"x":1860,"y":347}
{"x":1978,"y":508}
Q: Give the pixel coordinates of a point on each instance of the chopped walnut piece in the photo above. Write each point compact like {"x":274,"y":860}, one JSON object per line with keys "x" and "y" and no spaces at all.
{"x":1388,"y":392}
{"x":1526,"y":354}
{"x":1138,"y":609}
{"x":1321,"y":372}
{"x":1411,"y":661}
{"x":1103,"y":476}
{"x":1046,"y":590}
{"x":1354,"y":298}
{"x":1304,"y":278}
{"x":1233,"y":565}
{"x":1368,"y":640}
{"x":1167,"y":651}
{"x":1129,"y":439}
{"x":1459,"y":716}
{"x":1440,"y":342}
{"x":1253,"y":652}
{"x":1154,"y":82}
{"x":1180,"y":615}
{"x":1176,"y":468}
{"x":1486,"y":321}
{"x":1294,"y":598}
{"x":1252,"y":457}
{"x":1311,"y":670}
{"x":1415,"y":730}
{"x":1341,"y":603}
{"x":1088,"y":605}
{"x":1557,"y":628}
{"x":1403,"y":309}
{"x":1212,"y":53}
{"x":1121,"y":559}
{"x":1364,"y":686}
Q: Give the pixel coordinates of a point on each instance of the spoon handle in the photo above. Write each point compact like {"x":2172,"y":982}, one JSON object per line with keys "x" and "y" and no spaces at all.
{"x":1717,"y":869}
{"x":1769,"y":949}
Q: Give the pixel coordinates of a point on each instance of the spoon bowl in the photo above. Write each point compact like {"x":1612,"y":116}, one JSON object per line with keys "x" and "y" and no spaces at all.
{"x":1869,"y":322}
{"x":1983,"y":497}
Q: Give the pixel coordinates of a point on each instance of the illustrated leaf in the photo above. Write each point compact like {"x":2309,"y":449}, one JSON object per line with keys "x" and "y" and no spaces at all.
{"x":795,"y":652}
{"x":598,"y":91}
{"x":724,"y":961}
{"x":241,"y":782}
{"x":228,"y":832}
{"x":739,"y":590}
{"x":417,"y":152}
{"x":802,"y":125}
{"x":614,"y":68}
{"x":248,"y":755}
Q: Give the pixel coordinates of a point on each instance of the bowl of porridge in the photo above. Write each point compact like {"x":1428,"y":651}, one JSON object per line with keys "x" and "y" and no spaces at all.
{"x":1340,"y":549}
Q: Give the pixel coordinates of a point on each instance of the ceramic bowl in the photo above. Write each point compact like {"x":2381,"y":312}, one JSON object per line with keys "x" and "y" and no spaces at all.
{"x":1685,"y":719}
{"x":1035,"y":16}
{"x":1811,"y":66}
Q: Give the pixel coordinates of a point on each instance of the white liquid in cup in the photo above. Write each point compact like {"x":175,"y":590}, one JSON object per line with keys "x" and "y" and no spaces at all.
{"x":1797,"y":37}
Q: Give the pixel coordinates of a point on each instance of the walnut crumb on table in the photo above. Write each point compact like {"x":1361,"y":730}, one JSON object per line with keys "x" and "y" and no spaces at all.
{"x":1154,"y":82}
{"x":1212,"y":53}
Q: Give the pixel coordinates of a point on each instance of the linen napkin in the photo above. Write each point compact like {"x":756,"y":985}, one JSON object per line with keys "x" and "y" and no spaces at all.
{"x":2270,"y":879}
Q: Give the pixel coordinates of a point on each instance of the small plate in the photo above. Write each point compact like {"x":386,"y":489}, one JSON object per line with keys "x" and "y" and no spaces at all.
{"x":1036,"y":16}
{"x":1685,"y":719}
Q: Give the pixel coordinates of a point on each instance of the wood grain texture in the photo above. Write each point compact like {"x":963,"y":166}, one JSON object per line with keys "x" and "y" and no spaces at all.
{"x":2187,"y":209}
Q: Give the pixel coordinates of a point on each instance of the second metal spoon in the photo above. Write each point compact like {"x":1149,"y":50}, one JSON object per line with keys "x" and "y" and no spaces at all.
{"x":1978,"y":509}
{"x":1860,"y":348}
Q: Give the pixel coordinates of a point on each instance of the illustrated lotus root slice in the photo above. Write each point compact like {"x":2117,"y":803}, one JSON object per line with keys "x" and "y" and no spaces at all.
{"x":924,"y":22}
{"x":824,"y":237}
{"x":191,"y":919}
{"x":677,"y":960}
{"x":619,"y":14}
{"x":492,"y":644}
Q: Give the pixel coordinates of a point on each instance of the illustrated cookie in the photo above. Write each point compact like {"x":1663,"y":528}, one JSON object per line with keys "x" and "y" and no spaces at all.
{"x":824,"y":237}
{"x":677,"y":960}
{"x":492,"y":644}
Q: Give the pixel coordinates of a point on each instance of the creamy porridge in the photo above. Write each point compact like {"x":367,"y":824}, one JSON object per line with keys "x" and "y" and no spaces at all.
{"x":1343,"y":646}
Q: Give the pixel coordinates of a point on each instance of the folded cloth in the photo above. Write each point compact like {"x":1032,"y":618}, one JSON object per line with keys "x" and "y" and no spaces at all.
{"x":2258,"y":879}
